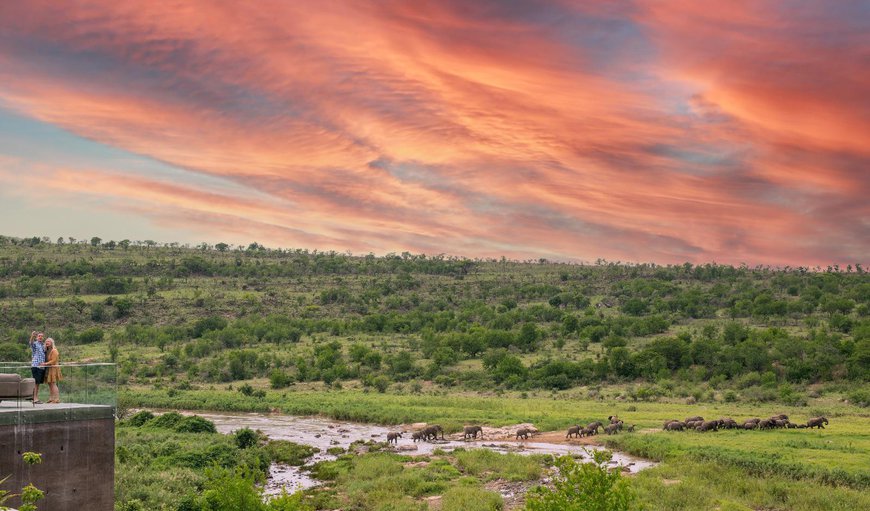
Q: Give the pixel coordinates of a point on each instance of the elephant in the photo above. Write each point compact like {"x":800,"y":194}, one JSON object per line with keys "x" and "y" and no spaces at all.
{"x":573,"y":431}
{"x":630,"y":429}
{"x":523,"y":433}
{"x":801,"y":426}
{"x":612,"y":429}
{"x":708,"y":426}
{"x":417,"y":435}
{"x":675,"y":426}
{"x":595,"y":425}
{"x":472,"y":431}
{"x":696,"y":418}
{"x":781,"y":416}
{"x":693,"y":424}
{"x":791,"y":425}
{"x":750,"y":425}
{"x":613,"y":419}
{"x":780,"y":423}
{"x":431,"y":432}
{"x":766,"y":424}
{"x":817,"y":422}
{"x":665,"y":424}
{"x":393,"y":438}
{"x":728,"y":423}
{"x":587,"y":431}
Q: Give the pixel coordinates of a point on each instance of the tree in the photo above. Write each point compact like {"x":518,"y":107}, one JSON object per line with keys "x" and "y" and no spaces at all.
{"x":222,"y":247}
{"x":95,"y":241}
{"x":124,"y":244}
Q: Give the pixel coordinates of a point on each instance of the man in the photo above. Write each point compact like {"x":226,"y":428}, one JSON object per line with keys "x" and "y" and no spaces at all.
{"x":37,"y":349}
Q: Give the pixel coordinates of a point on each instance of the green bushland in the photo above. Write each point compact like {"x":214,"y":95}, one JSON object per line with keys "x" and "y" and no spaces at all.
{"x":406,"y":338}
{"x":164,"y":461}
{"x":179,"y":317}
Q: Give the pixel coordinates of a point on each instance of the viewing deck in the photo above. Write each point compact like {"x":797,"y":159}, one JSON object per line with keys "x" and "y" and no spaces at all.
{"x":75,"y":437}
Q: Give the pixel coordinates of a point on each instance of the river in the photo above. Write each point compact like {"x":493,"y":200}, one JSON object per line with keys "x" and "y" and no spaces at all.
{"x":325,"y":433}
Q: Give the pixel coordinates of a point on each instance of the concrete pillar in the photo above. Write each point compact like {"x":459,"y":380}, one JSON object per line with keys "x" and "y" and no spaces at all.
{"x":77,"y":443}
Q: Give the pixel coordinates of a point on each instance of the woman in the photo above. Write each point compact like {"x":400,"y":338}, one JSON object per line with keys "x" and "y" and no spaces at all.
{"x":52,"y":375}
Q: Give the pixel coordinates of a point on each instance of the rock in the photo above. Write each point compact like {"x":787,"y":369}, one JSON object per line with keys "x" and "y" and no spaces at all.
{"x":317,"y":435}
{"x":404,"y":448}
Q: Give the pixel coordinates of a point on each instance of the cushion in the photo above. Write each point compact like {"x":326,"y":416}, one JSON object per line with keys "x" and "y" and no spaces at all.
{"x":10,"y":377}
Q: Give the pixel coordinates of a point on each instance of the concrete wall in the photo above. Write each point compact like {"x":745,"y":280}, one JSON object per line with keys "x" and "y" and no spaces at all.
{"x":78,"y":461}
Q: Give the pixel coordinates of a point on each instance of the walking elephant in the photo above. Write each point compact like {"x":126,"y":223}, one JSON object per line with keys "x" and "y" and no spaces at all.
{"x":472,"y":431}
{"x":708,"y":426}
{"x":523,"y":433}
{"x":817,"y":422}
{"x":393,"y":438}
{"x":675,"y":426}
{"x":431,"y":432}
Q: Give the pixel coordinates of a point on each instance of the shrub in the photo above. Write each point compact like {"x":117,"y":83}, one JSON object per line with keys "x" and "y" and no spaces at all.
{"x":860,"y":397}
{"x":583,"y":487}
{"x":140,"y":418}
{"x":278,"y":379}
{"x":195,"y":424}
{"x":168,"y":420}
{"x":91,"y":335}
{"x":246,"y":437}
{"x":123,"y":307}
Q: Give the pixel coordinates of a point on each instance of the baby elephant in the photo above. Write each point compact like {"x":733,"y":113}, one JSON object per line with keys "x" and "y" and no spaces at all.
{"x":588,"y":431}
{"x":393,"y":438}
{"x":417,"y":435}
{"x":612,"y":429}
{"x":573,"y":431}
{"x":523,"y":433}
{"x":472,"y":431}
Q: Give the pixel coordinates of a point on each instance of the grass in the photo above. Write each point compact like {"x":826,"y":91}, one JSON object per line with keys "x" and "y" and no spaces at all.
{"x":691,"y":485}
{"x":488,"y":465}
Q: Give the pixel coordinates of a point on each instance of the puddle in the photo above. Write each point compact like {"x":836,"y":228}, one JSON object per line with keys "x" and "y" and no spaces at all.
{"x":325,"y":433}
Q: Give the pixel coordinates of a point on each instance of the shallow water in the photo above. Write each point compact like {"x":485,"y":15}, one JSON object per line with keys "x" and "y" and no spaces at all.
{"x":325,"y":433}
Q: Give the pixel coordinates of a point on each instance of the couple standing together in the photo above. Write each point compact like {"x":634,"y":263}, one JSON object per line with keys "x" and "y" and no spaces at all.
{"x":45,"y":366}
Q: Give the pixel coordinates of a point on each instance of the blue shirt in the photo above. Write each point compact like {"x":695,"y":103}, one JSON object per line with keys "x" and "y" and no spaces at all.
{"x":38,"y":350}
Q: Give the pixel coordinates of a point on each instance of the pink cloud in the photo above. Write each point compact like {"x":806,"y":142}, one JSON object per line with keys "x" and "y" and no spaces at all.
{"x":731,"y":134}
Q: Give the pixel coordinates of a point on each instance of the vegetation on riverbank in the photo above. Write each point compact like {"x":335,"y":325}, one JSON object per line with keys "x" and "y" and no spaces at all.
{"x":169,"y":462}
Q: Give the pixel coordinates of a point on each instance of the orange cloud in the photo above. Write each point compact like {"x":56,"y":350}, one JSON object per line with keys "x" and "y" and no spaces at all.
{"x":669,"y":131}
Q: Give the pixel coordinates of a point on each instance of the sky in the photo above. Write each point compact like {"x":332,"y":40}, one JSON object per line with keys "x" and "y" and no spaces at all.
{"x":663,"y":131}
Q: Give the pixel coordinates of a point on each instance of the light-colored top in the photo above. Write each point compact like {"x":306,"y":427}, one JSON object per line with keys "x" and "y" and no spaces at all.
{"x":37,"y":349}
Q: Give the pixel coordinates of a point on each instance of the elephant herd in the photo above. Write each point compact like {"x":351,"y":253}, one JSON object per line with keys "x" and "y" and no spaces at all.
{"x":615,"y":426}
{"x":433,"y":432}
{"x":698,"y":423}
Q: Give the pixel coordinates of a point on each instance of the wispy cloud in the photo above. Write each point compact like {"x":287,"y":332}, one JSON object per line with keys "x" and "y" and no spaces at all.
{"x":663,"y":131}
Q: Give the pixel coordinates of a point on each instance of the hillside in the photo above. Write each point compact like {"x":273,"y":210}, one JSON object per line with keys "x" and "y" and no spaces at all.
{"x":183,"y":317}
